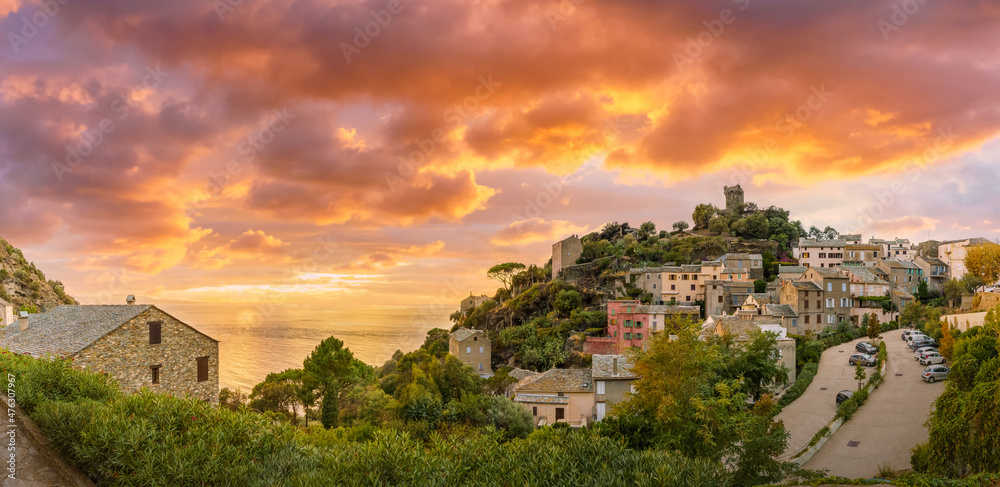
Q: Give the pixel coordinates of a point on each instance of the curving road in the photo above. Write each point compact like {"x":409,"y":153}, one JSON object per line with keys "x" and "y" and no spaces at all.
{"x":817,"y":406}
{"x":888,"y":425}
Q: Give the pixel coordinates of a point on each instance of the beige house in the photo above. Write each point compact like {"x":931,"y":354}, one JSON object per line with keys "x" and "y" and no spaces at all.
{"x":863,"y":255}
{"x":565,"y":253}
{"x":473,"y":348}
{"x":935,"y":271}
{"x":836,"y":295}
{"x":904,"y":276}
{"x":726,"y":297}
{"x":789,"y":318}
{"x":140,"y":345}
{"x":472,"y":302}
{"x":685,"y":284}
{"x":820,"y":252}
{"x":753,"y":264}
{"x":791,"y":272}
{"x":741,"y":327}
{"x":6,"y":313}
{"x":952,"y":253}
{"x":558,"y":396}
{"x":613,"y":379}
{"x":806,"y":300}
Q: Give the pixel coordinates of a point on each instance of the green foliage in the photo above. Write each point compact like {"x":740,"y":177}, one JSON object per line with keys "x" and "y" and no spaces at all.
{"x":680,"y":226}
{"x":568,"y":300}
{"x":851,"y":405}
{"x":505,"y":273}
{"x":328,"y":372}
{"x":703,"y":214}
{"x":759,"y":286}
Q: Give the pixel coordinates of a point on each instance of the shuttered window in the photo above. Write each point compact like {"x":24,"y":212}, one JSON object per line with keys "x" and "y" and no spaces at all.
{"x":202,"y":369}
{"x":155,"y":369}
{"x":154,"y":332}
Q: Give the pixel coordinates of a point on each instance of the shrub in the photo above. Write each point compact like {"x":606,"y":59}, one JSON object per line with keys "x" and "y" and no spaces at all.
{"x":799,"y":387}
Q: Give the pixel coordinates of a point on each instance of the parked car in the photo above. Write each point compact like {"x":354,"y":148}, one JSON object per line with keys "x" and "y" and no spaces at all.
{"x":935,"y":372}
{"x":843,"y":396}
{"x":916,"y":336}
{"x":916,"y":355}
{"x":866,"y":347}
{"x":863,"y":359}
{"x":922,"y":343}
{"x":931,"y":358}
{"x":910,"y":332}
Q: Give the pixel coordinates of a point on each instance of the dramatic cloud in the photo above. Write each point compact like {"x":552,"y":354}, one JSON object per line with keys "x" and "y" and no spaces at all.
{"x":536,"y":230}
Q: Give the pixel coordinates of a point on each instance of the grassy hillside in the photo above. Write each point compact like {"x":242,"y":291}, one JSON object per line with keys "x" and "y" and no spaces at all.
{"x":24,"y":285}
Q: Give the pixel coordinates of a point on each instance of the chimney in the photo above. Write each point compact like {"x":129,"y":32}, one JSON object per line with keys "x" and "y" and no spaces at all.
{"x":130,"y":299}
{"x":614,"y":366}
{"x":22,"y":322}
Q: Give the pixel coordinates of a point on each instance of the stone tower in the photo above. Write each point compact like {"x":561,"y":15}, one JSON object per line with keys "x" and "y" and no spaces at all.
{"x":734,"y":198}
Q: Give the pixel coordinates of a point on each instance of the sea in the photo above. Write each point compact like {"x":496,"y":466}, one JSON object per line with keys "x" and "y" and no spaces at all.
{"x":255,"y":340}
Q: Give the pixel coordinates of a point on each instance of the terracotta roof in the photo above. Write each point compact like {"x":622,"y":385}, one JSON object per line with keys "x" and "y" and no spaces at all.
{"x":782,"y":310}
{"x":558,"y":380}
{"x":67,"y":329}
{"x":541,"y":399}
{"x":603,"y":367}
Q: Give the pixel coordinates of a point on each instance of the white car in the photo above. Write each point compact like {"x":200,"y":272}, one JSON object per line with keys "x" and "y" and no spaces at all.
{"x":916,"y":336}
{"x":920,"y":351}
{"x":931,"y":358}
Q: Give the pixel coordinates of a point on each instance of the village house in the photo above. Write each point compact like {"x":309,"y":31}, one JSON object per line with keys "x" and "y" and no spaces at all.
{"x":862,"y":255}
{"x":821,"y":252}
{"x":790,"y":272}
{"x":752,"y":264}
{"x":613,"y":379}
{"x":897,"y":249}
{"x":851,"y":238}
{"x":685,"y":284}
{"x":741,"y":329}
{"x":631,"y":323}
{"x":565,"y":253}
{"x":558,"y":396}
{"x":836,"y":297}
{"x":902,"y":275}
{"x":726,"y":297}
{"x":952,"y":253}
{"x":934,"y":271}
{"x":472,"y":302}
{"x":6,"y":313}
{"x":866,"y":282}
{"x":789,"y":318}
{"x":805,"y":298}
{"x":139,"y":345}
{"x":473,"y":348}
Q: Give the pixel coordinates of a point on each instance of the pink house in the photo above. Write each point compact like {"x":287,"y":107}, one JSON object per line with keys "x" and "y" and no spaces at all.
{"x":631,"y":323}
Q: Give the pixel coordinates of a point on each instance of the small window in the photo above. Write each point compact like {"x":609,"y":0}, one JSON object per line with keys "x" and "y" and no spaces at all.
{"x":480,"y":366}
{"x":202,"y":369}
{"x":600,"y":387}
{"x":480,"y":349}
{"x":560,"y":413}
{"x":154,"y":332}
{"x":692,"y":287}
{"x":534,"y":410}
{"x":468,"y":349}
{"x":155,"y":372}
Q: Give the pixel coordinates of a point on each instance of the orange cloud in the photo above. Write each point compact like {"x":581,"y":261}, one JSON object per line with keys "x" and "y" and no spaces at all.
{"x":525,"y":232}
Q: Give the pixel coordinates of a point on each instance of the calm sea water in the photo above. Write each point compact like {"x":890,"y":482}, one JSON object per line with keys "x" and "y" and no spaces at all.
{"x":255,"y":341}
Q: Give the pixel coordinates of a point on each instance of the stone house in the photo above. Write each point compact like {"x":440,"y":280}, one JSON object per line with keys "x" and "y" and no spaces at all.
{"x":791,"y":272}
{"x":863,"y":255}
{"x":472,"y":302}
{"x":684,"y":284}
{"x":631,"y":323}
{"x":836,"y":295}
{"x":726,"y":297}
{"x":558,"y":396}
{"x":902,"y":275}
{"x":752,"y":264}
{"x":789,"y":318}
{"x":473,"y":348}
{"x":806,"y":300}
{"x":139,"y":345}
{"x":565,"y":253}
{"x":935,"y":272}
{"x":952,"y":253}
{"x":6,"y":313}
{"x":613,"y":379}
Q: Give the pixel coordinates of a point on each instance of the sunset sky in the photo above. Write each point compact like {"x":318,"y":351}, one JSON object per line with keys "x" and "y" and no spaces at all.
{"x":390,"y":151}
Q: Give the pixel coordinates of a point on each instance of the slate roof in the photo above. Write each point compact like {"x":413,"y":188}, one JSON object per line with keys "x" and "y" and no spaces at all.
{"x":558,"y":380}
{"x":740,"y":328}
{"x":814,"y":242}
{"x":866,"y":275}
{"x":602,"y":367}
{"x":864,"y":246}
{"x":782,"y":310}
{"x":462,"y":334}
{"x":521,"y":374}
{"x":541,"y":399}
{"x":901,"y":264}
{"x":67,"y":329}
{"x":806,"y":286}
{"x":851,"y":236}
{"x":666,"y":309}
{"x":933,"y":261}
{"x":829,"y":272}
{"x":798,"y":270}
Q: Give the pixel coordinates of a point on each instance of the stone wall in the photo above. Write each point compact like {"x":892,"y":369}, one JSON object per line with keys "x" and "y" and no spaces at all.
{"x":127,"y":355}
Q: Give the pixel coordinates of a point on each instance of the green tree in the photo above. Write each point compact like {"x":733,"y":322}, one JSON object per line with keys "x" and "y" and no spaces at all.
{"x":759,"y":286}
{"x":568,"y":300}
{"x":646,"y":230}
{"x":703,"y":214}
{"x":983,"y":262}
{"x":329,"y":371}
{"x":953,"y":290}
{"x":718,"y":225}
{"x":505,"y":273}
{"x":860,"y":375}
{"x":872,"y":328}
{"x":923,"y":292}
{"x":681,"y":226}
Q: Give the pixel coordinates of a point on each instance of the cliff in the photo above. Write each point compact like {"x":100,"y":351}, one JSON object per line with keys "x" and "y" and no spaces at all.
{"x":23,"y":284}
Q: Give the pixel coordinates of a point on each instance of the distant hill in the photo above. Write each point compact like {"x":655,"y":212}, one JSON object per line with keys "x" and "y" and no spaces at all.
{"x":23,"y":284}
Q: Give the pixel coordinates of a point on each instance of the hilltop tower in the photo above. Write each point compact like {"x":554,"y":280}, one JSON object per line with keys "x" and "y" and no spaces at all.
{"x":734,"y":198}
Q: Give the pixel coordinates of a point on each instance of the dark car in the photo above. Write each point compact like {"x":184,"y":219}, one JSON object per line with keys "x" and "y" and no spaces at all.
{"x":843,"y":396}
{"x":923,"y":343}
{"x":865,"y":347}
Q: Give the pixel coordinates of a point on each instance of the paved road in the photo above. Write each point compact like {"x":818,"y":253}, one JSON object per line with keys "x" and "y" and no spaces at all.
{"x":817,"y":406}
{"x":888,"y":425}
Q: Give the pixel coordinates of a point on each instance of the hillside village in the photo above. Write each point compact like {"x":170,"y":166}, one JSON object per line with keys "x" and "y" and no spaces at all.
{"x":823,"y":279}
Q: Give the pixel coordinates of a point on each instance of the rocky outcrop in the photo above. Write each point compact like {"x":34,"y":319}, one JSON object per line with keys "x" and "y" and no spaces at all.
{"x":23,"y":284}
